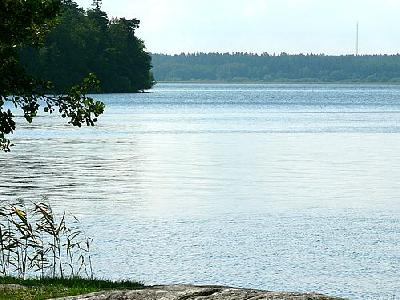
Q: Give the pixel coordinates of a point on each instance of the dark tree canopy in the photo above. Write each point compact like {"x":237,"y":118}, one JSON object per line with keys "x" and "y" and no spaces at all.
{"x":25,"y":23}
{"x":237,"y":67}
{"x":87,"y":41}
{"x":48,"y":46}
{"x":97,"y":4}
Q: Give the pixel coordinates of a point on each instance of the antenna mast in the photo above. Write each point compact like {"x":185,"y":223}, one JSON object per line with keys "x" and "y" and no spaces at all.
{"x":357,"y":37}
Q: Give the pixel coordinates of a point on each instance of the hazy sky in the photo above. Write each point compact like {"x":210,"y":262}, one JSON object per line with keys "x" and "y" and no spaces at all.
{"x":292,"y":26}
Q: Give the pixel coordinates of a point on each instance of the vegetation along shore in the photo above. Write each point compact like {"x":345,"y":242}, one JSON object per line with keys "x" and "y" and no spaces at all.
{"x":281,"y":68}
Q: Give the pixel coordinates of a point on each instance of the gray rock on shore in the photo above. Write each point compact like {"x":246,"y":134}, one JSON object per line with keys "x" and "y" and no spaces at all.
{"x":189,"y":292}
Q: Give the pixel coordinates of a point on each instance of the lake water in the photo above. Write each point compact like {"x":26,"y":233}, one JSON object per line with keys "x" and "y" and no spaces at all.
{"x":278,"y":187}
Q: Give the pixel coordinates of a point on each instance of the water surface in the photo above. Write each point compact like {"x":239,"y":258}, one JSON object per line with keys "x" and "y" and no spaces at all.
{"x":279,"y":187}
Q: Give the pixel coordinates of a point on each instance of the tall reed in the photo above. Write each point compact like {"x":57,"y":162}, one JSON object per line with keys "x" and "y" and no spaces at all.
{"x":34,"y":241}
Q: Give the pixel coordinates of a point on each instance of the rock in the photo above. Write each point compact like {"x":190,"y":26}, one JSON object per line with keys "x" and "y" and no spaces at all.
{"x":189,"y":292}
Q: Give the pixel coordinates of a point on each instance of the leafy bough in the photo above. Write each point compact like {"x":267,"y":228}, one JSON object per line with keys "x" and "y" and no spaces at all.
{"x":75,"y":105}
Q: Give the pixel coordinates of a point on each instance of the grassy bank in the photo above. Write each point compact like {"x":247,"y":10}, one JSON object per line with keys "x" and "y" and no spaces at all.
{"x":38,"y":289}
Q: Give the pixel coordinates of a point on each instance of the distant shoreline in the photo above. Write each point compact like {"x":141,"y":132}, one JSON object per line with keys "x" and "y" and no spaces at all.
{"x":284,"y":68}
{"x":282,"y":82}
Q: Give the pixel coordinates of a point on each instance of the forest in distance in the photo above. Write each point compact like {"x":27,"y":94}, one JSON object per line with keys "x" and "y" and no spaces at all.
{"x":250,"y":67}
{"x":87,"y":41}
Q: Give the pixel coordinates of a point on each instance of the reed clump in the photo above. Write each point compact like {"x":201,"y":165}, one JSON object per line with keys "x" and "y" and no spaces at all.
{"x":35,"y":242}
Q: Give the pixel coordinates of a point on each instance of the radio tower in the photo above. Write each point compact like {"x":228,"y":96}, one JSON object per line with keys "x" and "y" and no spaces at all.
{"x":357,"y":39}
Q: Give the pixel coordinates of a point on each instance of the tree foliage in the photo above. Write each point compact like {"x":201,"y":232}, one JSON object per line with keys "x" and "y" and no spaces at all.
{"x":236,"y":67}
{"x":25,"y":23}
{"x":87,"y":41}
{"x":48,"y":46}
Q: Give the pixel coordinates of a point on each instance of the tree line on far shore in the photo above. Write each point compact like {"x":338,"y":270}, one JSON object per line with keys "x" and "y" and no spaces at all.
{"x":245,"y":67}
{"x":88,"y":41}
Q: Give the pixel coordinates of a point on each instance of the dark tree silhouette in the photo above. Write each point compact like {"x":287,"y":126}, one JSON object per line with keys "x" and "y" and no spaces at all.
{"x":89,"y":42}
{"x":48,"y":46}
{"x":25,"y":23}
{"x":97,"y":4}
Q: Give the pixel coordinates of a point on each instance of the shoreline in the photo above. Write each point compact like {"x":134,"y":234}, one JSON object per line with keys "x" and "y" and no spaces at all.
{"x":195,"y":292}
{"x":93,"y":289}
{"x":281,"y":82}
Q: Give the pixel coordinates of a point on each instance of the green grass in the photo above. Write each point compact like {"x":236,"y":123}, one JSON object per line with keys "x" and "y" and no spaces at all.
{"x":39,"y":289}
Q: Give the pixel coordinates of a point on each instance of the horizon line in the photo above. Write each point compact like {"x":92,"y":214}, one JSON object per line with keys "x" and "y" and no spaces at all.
{"x":270,"y":54}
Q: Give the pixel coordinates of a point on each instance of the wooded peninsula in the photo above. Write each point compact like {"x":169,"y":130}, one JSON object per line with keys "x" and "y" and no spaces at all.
{"x":88,"y":41}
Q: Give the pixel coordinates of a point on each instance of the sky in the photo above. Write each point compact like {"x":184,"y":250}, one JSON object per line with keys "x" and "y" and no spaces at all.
{"x":273,"y":26}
